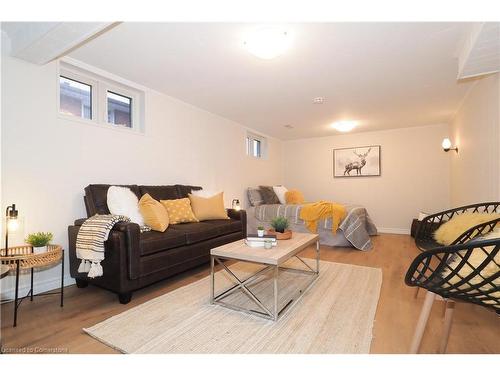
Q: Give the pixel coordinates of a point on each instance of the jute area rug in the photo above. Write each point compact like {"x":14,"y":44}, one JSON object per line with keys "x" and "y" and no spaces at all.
{"x":334,"y":316}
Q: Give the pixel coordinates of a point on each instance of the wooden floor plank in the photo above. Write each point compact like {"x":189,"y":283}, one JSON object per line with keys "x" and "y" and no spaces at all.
{"x":45,"y":327}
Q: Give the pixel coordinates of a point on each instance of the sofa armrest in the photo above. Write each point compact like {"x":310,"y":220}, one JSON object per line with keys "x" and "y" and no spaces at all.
{"x":239,"y":215}
{"x":79,"y":222}
{"x":129,"y":247}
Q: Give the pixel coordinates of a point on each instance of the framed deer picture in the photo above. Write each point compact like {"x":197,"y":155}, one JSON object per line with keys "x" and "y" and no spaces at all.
{"x":356,"y":161}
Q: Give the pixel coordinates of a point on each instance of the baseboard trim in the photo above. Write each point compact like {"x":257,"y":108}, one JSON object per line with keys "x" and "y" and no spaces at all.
{"x":394,"y":230}
{"x":40,"y":286}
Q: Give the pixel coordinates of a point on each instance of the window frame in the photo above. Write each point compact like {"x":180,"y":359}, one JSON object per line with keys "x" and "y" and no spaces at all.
{"x":100,"y":85}
{"x":134,"y":100}
{"x":94,"y":88}
{"x":252,"y":137}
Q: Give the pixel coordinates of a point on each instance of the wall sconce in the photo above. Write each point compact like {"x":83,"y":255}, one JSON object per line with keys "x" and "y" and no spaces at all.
{"x":11,"y":224}
{"x":447,"y":145}
{"x":236,"y":204}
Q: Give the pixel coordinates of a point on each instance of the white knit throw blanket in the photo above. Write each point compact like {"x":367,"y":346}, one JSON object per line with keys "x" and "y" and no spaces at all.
{"x":90,"y":242}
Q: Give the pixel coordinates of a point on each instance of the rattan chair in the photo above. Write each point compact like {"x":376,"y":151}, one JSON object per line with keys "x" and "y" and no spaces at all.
{"x":456,"y":273}
{"x":424,"y":238}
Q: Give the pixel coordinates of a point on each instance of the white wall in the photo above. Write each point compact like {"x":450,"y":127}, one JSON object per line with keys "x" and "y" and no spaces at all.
{"x":475,"y":171}
{"x":47,"y":160}
{"x":415,"y":173}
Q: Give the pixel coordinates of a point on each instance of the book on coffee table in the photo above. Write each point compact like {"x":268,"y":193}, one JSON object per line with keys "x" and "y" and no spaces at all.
{"x":259,"y":243}
{"x":254,"y":237}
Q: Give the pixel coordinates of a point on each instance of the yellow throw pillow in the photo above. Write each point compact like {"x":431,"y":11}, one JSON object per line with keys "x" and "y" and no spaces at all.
{"x":294,"y":196}
{"x":154,"y":213}
{"x":179,"y":211}
{"x":208,"y":208}
{"x":458,"y":224}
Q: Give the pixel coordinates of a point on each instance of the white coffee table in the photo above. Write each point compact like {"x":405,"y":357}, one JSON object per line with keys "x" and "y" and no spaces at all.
{"x":273,"y":260}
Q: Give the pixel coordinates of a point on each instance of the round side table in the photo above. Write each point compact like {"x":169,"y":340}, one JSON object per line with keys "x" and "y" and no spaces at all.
{"x":22,"y":258}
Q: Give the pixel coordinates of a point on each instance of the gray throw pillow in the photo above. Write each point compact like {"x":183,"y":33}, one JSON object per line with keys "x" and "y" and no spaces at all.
{"x":268,"y":195}
{"x":254,"y":197}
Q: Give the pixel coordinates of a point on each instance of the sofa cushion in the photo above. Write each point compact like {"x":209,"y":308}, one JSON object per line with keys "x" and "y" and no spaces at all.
{"x":153,"y":242}
{"x":96,"y":196}
{"x":160,"y":192}
{"x":196,"y":232}
{"x":184,"y":190}
{"x":226,"y":226}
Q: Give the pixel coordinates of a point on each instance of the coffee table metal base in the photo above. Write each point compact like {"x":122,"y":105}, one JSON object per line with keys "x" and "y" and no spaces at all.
{"x":273,"y":312}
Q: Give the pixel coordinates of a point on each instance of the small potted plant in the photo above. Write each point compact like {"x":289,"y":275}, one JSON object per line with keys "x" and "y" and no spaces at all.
{"x":260,"y":231}
{"x":280,"y":228}
{"x":39,"y":241}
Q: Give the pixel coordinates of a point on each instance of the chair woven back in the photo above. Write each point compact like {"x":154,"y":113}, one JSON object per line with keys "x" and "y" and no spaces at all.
{"x":469,"y":272}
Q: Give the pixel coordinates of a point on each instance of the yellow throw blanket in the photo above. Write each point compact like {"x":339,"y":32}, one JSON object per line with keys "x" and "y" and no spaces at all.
{"x":312,"y":213}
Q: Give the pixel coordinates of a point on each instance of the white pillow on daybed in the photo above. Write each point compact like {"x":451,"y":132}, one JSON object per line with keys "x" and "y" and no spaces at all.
{"x":280,"y":192}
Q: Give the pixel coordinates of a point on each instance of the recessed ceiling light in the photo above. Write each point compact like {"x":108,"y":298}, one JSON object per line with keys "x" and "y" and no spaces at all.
{"x":344,"y":126}
{"x":318,"y":100}
{"x":268,"y":42}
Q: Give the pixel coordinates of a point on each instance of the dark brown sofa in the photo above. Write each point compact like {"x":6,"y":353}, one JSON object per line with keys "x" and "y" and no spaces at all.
{"x":134,"y":260}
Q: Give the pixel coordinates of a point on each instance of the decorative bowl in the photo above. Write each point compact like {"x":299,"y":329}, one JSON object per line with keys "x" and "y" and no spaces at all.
{"x":286,"y":235}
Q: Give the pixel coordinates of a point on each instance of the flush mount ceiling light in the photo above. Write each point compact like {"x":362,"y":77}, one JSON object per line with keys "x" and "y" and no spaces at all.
{"x":318,"y":100}
{"x":344,"y":126}
{"x":268,"y":42}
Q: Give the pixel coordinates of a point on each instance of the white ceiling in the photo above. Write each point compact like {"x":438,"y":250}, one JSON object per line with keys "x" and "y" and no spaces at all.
{"x":384,"y":75}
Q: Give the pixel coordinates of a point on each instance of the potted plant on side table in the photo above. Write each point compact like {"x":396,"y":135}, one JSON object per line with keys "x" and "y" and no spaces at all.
{"x":39,"y":241}
{"x":280,"y":228}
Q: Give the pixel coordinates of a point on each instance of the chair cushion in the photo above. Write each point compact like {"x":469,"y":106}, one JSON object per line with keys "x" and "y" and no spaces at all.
{"x":459,"y":224}
{"x":196,"y":232}
{"x":160,"y":192}
{"x":226,"y":226}
{"x":153,"y":242}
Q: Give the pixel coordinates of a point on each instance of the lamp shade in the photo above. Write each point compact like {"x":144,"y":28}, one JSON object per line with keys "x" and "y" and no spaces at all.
{"x":446,"y":144}
{"x":236,"y":204}
{"x":13,"y":225}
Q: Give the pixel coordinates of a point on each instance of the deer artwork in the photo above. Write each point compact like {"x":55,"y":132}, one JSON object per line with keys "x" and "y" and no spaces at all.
{"x":357,"y":165}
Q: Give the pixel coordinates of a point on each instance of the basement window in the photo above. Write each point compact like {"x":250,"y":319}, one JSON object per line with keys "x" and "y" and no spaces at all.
{"x":75,"y":98}
{"x":98,"y":100}
{"x":256,"y":145}
{"x":119,"y":109}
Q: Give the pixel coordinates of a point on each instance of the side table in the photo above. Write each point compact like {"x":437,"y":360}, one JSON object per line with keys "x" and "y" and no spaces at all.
{"x":22,"y":258}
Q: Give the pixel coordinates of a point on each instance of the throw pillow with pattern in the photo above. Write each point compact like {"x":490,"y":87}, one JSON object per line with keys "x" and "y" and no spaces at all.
{"x":179,"y":211}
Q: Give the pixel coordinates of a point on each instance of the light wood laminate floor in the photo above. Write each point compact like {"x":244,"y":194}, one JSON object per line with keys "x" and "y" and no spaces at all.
{"x":44,"y":327}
